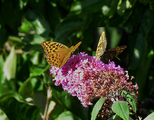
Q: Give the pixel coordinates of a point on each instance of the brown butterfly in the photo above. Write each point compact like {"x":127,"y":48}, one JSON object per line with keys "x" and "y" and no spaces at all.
{"x":103,"y":55}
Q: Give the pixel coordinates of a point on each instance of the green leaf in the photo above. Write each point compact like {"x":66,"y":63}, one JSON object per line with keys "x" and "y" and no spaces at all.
{"x":66,"y":28}
{"x":26,"y":89}
{"x":29,"y":47}
{"x":70,"y":103}
{"x":67,"y":115}
{"x":113,"y":7}
{"x":141,"y":58}
{"x":58,"y":109}
{"x":3,"y":90}
{"x":16,"y":110}
{"x":87,"y":6}
{"x":97,"y":108}
{"x":33,"y":43}
{"x":150,"y":117}
{"x":37,"y":84}
{"x":35,"y":58}
{"x":25,"y":26}
{"x":121,"y":20}
{"x":121,"y":108}
{"x":2,"y":76}
{"x":3,"y":116}
{"x":141,"y":40}
{"x":37,"y":71}
{"x":122,"y":7}
{"x":9,"y":94}
{"x":38,"y":22}
{"x":33,"y":39}
{"x":130,"y":99}
{"x":10,"y":64}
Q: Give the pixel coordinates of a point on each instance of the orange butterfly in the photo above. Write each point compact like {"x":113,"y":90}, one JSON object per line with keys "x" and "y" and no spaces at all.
{"x":57,"y":53}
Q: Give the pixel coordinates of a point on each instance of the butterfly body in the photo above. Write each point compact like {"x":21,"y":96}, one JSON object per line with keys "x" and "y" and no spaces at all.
{"x":57,"y":53}
{"x":103,"y":55}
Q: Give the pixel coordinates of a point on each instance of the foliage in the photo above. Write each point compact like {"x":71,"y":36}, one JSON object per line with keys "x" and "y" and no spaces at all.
{"x":24,"y":24}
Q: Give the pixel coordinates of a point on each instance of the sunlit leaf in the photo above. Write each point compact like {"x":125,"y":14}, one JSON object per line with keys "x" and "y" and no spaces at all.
{"x":121,"y":109}
{"x":10,"y":65}
{"x":38,"y":22}
{"x":3,"y":116}
{"x":150,"y":117}
{"x":67,"y":115}
{"x":85,"y":6}
{"x":97,"y":108}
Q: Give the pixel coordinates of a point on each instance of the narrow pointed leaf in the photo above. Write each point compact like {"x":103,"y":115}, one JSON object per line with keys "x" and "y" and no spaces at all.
{"x":97,"y":108}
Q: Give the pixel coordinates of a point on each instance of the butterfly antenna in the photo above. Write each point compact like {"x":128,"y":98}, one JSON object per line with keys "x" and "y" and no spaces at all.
{"x":71,"y":41}
{"x":81,"y":38}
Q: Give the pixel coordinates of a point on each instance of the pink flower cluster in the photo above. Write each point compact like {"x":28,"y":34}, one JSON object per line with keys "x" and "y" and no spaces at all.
{"x":87,"y":79}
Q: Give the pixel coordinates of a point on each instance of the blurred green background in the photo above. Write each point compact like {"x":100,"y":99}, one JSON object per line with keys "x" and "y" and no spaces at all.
{"x":24,"y":72}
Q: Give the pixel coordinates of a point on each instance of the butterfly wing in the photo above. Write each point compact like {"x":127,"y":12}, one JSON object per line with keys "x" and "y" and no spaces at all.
{"x":101,"y":46}
{"x":56,"y":58}
{"x":70,"y":52}
{"x":58,"y":54}
{"x":111,"y":53}
{"x":50,"y":47}
{"x":55,"y":52}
